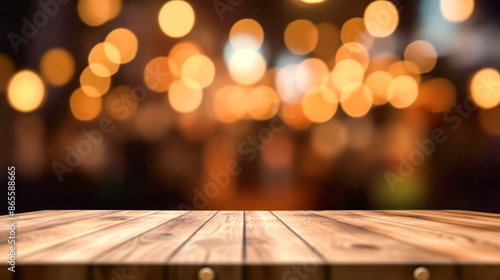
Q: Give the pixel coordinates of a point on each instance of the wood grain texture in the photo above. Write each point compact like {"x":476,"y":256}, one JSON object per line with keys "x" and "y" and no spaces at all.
{"x":248,"y":245}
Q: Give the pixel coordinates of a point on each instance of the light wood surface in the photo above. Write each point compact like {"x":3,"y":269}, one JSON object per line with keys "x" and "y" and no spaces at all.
{"x":113,"y":244}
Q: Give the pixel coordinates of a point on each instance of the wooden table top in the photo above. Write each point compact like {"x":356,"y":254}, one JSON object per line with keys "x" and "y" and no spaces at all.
{"x":449,"y":244}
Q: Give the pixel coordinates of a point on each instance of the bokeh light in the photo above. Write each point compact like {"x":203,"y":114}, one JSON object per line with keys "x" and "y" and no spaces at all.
{"x":230,"y":104}
{"x":246,"y":33}
{"x":422,"y":55}
{"x":179,"y":54}
{"x":263,"y":103}
{"x":485,"y":88}
{"x":83,"y":106}
{"x":381,"y":18}
{"x":346,"y":72}
{"x":199,"y":71}
{"x":457,"y":10}
{"x":155,"y":82}
{"x":311,"y":72}
{"x":124,"y":42}
{"x":184,"y":97}
{"x":437,"y":95}
{"x":403,"y":91}
{"x":92,"y":84}
{"x":176,"y":18}
{"x":319,"y":104}
{"x":354,"y":51}
{"x":101,"y":62}
{"x":354,"y":31}
{"x":286,"y":84}
{"x":378,"y":82}
{"x":98,"y":12}
{"x":57,"y":66}
{"x":301,"y":36}
{"x":25,"y":91}
{"x":247,"y":67}
{"x":356,"y":99}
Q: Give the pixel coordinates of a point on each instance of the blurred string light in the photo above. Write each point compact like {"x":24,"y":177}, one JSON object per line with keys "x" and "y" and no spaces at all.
{"x":25,"y":91}
{"x":158,"y":65}
{"x":198,"y":71}
{"x":57,"y":66}
{"x":98,"y":12}
{"x":354,"y":30}
{"x":176,"y":18}
{"x":247,"y":67}
{"x":180,"y":53}
{"x":485,"y":88}
{"x":301,"y":36}
{"x":7,"y":69}
{"x":313,"y":1}
{"x":402,"y":91}
{"x":346,"y":72}
{"x":246,"y":34}
{"x":354,"y":51}
{"x":456,"y":10}
{"x":263,"y":103}
{"x":230,"y":103}
{"x":83,"y":106}
{"x":356,"y":99}
{"x":379,"y":82}
{"x":311,"y":72}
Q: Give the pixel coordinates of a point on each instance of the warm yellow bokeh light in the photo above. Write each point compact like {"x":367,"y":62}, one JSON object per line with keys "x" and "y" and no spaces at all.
{"x":485,"y":88}
{"x":179,"y":54}
{"x":311,"y":72}
{"x":329,"y":139}
{"x":319,"y":104}
{"x":489,"y":120}
{"x":437,"y":95}
{"x":199,"y":71}
{"x":184,"y":97}
{"x":354,"y":31}
{"x":313,"y":1}
{"x":25,"y":91}
{"x":176,"y":18}
{"x":57,"y":66}
{"x":378,"y":82}
{"x":92,"y":84}
{"x":354,"y":51}
{"x":457,"y":10}
{"x":100,"y":63}
{"x":97,"y":12}
{"x":346,"y":72}
{"x":230,"y":104}
{"x":247,"y":67}
{"x":263,"y":103}
{"x":84,"y":107}
{"x":158,"y":83}
{"x":422,"y":55}
{"x":381,"y":18}
{"x":293,"y":116}
{"x":301,"y":36}
{"x":243,"y":28}
{"x":403,"y":91}
{"x":356,"y":99}
{"x":7,"y":69}
{"x":125,"y":42}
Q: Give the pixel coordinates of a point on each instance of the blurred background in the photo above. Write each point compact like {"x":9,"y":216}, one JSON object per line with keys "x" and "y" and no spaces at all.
{"x":251,"y":104}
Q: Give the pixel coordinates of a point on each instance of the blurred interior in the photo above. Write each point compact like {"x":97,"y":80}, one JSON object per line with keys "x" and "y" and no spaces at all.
{"x":251,"y":104}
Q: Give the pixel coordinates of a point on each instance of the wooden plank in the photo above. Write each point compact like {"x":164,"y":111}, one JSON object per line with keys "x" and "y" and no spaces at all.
{"x":54,"y":218}
{"x":32,"y":241}
{"x":86,"y":248}
{"x":494,"y":215}
{"x":439,"y":217}
{"x":268,"y":241}
{"x":453,"y":245}
{"x":467,"y":232}
{"x":273,"y":251}
{"x":155,"y":244}
{"x":471,"y":216}
{"x":219,"y":241}
{"x":345,"y":243}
